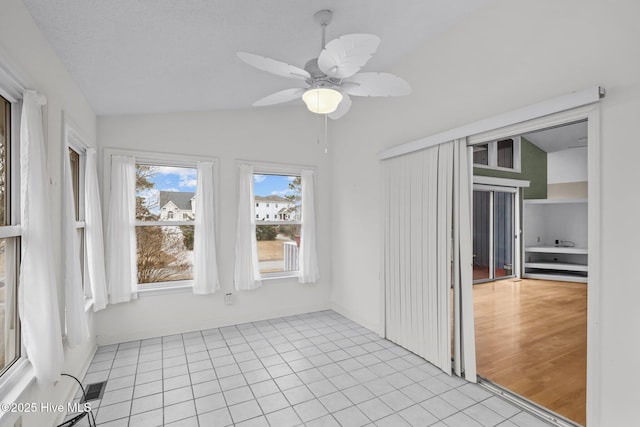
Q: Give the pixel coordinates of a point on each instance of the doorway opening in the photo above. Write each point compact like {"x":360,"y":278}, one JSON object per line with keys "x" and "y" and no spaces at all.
{"x":531,"y":329}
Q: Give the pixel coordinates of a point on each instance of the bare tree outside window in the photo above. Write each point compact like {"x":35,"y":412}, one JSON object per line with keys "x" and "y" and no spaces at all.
{"x":165,"y":206}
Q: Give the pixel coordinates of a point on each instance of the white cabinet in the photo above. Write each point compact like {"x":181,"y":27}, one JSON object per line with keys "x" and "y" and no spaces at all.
{"x":555,"y":239}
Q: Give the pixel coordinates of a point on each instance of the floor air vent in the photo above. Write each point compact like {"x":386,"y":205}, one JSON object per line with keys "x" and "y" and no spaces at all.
{"x":94,"y":391}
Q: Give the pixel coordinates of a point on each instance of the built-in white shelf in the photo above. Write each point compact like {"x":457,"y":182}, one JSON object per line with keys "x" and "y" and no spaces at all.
{"x":554,"y":265}
{"x":549,"y":220}
{"x":552,"y":201}
{"x":556,"y":250}
{"x":556,"y":276}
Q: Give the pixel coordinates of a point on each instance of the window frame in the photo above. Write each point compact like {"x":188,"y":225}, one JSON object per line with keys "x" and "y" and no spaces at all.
{"x":493,"y":155}
{"x":168,"y":160}
{"x":76,"y":141}
{"x":19,"y":374}
{"x":261,"y":168}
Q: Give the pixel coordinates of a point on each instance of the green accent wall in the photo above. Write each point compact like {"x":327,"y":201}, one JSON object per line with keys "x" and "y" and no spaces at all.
{"x":533,"y":169}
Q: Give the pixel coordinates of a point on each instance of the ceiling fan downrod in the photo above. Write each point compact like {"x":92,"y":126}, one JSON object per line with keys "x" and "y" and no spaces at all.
{"x":323,"y":18}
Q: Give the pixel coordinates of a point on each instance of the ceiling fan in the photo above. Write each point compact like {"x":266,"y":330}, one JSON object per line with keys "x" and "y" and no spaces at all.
{"x":333,"y":77}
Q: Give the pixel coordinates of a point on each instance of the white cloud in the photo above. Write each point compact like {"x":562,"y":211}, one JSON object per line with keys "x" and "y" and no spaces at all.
{"x":281,"y":192}
{"x":187,"y":182}
{"x":259,"y":178}
{"x":291,"y":178}
{"x":187,"y":176}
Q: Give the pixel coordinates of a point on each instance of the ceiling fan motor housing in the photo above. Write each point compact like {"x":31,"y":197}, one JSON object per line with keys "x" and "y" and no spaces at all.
{"x":318,"y":78}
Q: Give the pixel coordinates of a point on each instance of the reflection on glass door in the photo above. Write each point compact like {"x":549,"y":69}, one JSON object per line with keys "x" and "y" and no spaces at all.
{"x":493,"y":234}
{"x":481,"y":235}
{"x":502,"y":234}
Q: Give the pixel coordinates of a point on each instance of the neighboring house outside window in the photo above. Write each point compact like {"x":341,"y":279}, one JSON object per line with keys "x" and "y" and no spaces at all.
{"x":278,"y":223}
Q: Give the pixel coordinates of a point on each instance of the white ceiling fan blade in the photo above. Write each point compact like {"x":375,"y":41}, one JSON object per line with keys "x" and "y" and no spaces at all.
{"x":272,"y":66}
{"x":346,"y":55}
{"x":342,"y":109}
{"x":280,"y":97}
{"x":376,"y":84}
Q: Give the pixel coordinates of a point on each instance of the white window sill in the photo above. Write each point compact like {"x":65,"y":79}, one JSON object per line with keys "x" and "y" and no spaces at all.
{"x":277,"y":276}
{"x":166,"y":288}
{"x":497,"y":168}
{"x":13,"y":384}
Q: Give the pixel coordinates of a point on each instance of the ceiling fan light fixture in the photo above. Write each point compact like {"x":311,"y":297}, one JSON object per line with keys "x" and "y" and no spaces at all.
{"x":322,"y":100}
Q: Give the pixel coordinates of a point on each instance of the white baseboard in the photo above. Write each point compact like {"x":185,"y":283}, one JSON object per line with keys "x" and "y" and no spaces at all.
{"x":213,"y":322}
{"x":375,"y":327}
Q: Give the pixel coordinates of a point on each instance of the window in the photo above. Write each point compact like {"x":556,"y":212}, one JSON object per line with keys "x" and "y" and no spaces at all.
{"x":9,"y":242}
{"x":278,"y":234}
{"x":501,"y":154}
{"x":481,"y":154}
{"x":164,"y":194}
{"x":77,"y":181}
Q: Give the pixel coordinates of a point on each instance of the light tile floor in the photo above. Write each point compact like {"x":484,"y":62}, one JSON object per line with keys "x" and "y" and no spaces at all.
{"x":317,"y":369}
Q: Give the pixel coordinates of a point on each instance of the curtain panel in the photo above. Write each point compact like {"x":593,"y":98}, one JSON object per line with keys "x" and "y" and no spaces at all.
{"x":94,"y":239}
{"x":121,"y":234}
{"x":247,"y":271}
{"x":205,"y":266}
{"x":309,"y":271}
{"x":38,"y":296}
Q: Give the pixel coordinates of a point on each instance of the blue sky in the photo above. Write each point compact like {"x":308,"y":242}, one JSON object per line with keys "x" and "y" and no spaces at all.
{"x":267,"y":185}
{"x":175,"y":179}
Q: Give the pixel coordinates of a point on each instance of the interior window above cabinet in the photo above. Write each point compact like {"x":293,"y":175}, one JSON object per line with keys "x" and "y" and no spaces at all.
{"x":503,"y":154}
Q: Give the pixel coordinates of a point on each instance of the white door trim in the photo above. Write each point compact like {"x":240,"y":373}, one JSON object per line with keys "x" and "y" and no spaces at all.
{"x":591,"y":113}
{"x":545,"y":108}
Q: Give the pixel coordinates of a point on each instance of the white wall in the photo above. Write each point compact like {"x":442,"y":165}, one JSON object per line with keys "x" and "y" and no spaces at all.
{"x":24,"y":49}
{"x":507,"y":55}
{"x":283,"y":135}
{"x":567,"y":166}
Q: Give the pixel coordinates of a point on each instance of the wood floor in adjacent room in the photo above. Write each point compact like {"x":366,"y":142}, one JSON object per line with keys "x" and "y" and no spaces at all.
{"x":531,"y":338}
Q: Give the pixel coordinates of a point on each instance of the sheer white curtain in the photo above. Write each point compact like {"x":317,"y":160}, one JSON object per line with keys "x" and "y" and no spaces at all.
{"x":247,"y":271}
{"x":309,"y":272}
{"x":426,"y":199}
{"x":205,"y":266}
{"x":75,"y":316}
{"x":38,"y":297}
{"x":94,"y":241}
{"x":121,"y":237}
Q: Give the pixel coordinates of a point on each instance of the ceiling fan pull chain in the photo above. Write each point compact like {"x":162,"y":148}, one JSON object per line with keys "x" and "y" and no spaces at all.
{"x":326,"y":135}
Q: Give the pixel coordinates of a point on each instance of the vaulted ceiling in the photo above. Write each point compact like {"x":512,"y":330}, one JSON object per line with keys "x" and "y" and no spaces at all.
{"x":147,"y":56}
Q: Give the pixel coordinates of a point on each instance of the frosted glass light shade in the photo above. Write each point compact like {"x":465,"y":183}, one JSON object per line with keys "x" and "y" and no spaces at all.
{"x":322,"y":100}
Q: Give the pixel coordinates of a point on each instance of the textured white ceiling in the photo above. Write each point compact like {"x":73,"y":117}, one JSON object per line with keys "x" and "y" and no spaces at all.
{"x":145,"y":56}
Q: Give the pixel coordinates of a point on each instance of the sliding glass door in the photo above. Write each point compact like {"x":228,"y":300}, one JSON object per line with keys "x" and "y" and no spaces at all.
{"x":493,"y":233}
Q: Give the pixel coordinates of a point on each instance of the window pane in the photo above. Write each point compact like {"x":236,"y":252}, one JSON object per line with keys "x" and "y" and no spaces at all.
{"x":9,"y":324}
{"x":277,"y":197}
{"x":481,"y":154}
{"x":165,"y":193}
{"x":74,"y":159}
{"x":165,"y":253}
{"x":505,"y":153}
{"x":278,"y":247}
{"x":5,"y":133}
